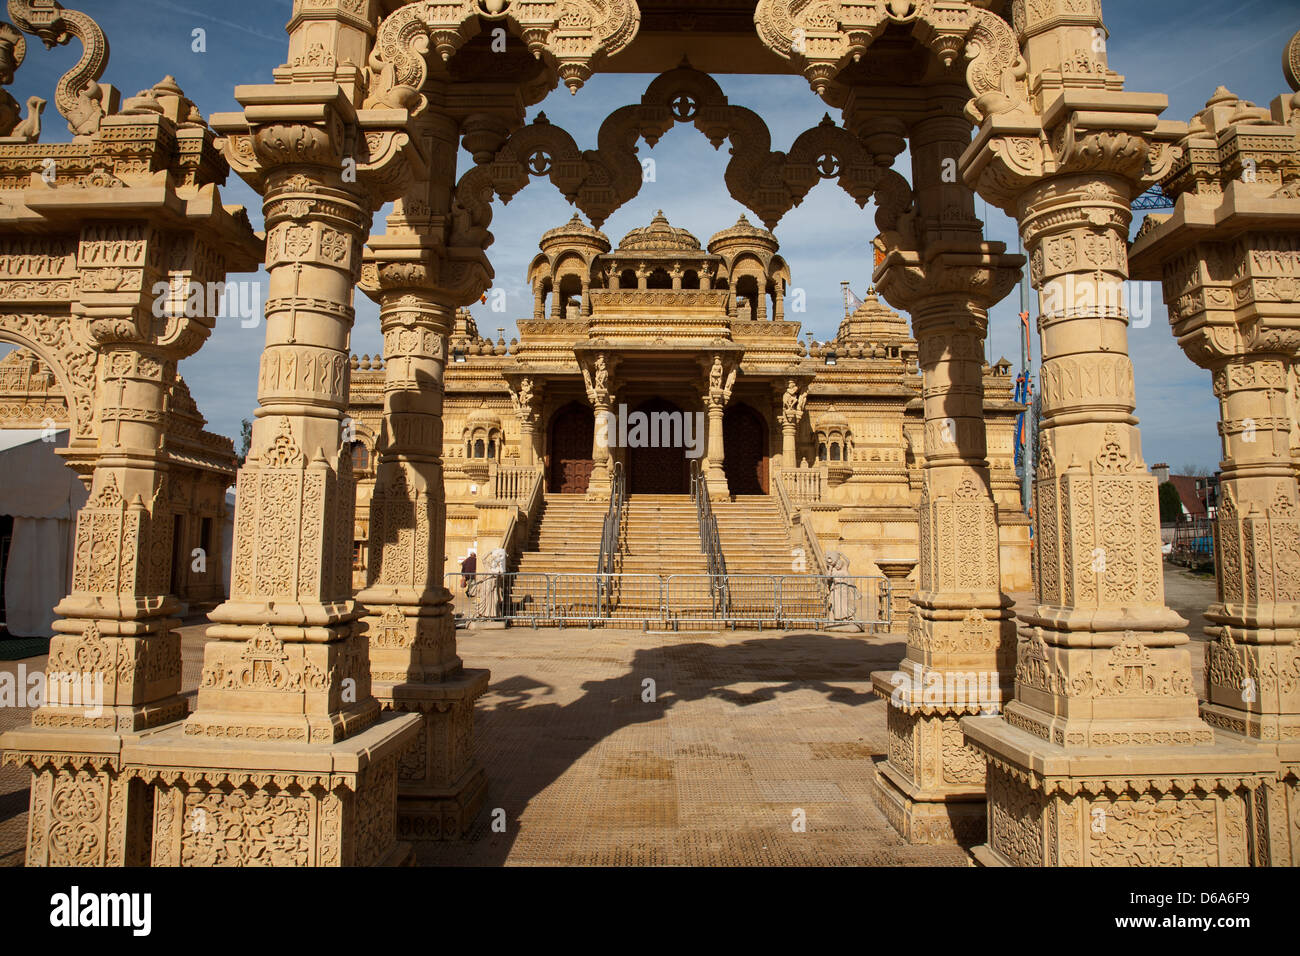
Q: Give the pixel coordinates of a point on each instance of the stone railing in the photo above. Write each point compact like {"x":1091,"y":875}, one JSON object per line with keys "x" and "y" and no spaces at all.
{"x":515,"y":535}
{"x":793,"y":518}
{"x":511,"y":482}
{"x":803,"y":485}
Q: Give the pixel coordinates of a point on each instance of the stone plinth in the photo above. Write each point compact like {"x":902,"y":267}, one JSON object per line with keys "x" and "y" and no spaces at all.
{"x":1118,"y":805}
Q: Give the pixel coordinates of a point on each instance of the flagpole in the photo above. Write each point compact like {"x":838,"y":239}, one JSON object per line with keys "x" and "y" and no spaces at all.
{"x":1027,"y":429}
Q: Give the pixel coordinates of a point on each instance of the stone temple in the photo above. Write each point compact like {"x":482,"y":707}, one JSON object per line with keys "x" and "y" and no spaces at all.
{"x":810,"y":486}
{"x":664,"y":307}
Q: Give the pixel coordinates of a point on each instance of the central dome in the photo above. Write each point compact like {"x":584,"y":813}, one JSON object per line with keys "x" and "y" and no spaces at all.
{"x":659,"y":236}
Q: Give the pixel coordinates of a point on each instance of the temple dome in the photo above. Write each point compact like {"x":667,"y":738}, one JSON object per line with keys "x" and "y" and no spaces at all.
{"x":872,"y":320}
{"x":482,"y":418}
{"x":743,"y":233}
{"x":659,"y":236}
{"x":575,"y":232}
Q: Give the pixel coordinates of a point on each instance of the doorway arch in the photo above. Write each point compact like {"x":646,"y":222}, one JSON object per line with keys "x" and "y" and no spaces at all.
{"x":658,"y":465}
{"x":744,"y":447}
{"x":572,"y":433}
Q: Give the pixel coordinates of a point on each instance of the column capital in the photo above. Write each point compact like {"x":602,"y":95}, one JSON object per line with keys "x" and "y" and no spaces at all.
{"x":954,"y":276}
{"x":1096,"y":133}
{"x":312,"y":134}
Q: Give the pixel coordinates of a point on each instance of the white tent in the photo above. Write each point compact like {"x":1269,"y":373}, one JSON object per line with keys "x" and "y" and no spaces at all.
{"x":43,"y":495}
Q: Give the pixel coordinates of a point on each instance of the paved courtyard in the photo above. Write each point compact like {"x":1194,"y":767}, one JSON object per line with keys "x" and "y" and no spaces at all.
{"x":625,"y":747}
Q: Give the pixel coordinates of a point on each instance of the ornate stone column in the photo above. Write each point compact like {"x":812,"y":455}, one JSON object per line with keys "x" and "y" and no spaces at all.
{"x":1226,"y":258}
{"x":598,"y":374}
{"x":527,"y":400}
{"x":721,"y":371}
{"x":961,"y":636}
{"x":286,"y":685}
{"x":791,"y":403}
{"x":1101,"y":759}
{"x":116,"y":322}
{"x":414,"y":667}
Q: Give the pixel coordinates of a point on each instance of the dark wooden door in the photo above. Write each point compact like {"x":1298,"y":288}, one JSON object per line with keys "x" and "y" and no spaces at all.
{"x":744,"y":445}
{"x":661,"y":470}
{"x":573,"y":430}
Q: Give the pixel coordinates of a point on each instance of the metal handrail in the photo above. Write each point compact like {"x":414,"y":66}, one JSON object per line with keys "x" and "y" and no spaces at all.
{"x":609,"y":534}
{"x":710,"y":542}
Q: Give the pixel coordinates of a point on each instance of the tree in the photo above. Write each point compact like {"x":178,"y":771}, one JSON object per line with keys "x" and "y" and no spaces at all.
{"x":1171,"y":504}
{"x":246,"y":440}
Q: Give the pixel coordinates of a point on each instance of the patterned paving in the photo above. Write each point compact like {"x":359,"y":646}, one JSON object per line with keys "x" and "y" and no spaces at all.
{"x":744,"y":730}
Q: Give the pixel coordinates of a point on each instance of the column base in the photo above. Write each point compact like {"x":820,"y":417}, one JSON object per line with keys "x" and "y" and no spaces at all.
{"x":930,"y":786}
{"x":249,"y":803}
{"x":1277,"y":803}
{"x":86,"y":809}
{"x":1174,"y":805}
{"x":441,"y":784}
{"x":927,"y":817}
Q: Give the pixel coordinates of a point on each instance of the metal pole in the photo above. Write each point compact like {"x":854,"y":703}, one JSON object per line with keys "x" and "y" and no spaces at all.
{"x":1026,"y":466}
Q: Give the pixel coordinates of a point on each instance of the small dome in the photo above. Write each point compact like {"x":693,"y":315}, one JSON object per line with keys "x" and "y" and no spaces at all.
{"x":575,"y":230}
{"x":483,"y":418}
{"x":744,"y":232}
{"x":659,"y":236}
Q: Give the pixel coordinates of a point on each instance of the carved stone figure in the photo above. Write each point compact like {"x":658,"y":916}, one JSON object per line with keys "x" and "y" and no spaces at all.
{"x":843,"y":601}
{"x":488,"y":586}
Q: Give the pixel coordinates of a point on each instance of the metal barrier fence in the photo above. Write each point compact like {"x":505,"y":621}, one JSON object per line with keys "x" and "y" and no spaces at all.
{"x":676,"y":600}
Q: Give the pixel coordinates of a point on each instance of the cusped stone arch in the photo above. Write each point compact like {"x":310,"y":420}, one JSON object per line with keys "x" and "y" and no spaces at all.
{"x":66,"y":350}
{"x":600,"y":181}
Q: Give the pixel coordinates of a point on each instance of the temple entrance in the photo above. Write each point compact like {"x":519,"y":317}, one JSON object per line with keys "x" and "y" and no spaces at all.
{"x":661,"y":470}
{"x":573,"y":431}
{"x":744,"y":445}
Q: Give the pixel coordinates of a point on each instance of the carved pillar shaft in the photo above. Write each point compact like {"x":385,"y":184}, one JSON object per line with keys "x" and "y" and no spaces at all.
{"x":408,"y":507}
{"x":288,"y":626}
{"x":961,"y":636}
{"x":114,"y":639}
{"x":789,"y":430}
{"x":1257,"y":615}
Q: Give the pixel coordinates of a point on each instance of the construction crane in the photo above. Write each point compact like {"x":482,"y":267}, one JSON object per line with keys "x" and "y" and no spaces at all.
{"x":1153,"y":198}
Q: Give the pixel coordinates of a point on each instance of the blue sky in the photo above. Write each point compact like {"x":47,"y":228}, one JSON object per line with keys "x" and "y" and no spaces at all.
{"x":1184,"y":48}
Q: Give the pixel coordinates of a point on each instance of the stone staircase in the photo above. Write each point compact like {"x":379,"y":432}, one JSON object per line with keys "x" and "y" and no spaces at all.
{"x":755,"y":541}
{"x":661,"y":535}
{"x":566,"y":537}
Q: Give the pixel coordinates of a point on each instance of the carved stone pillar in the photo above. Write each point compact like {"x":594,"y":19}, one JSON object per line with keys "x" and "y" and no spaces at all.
{"x":414,"y":666}
{"x":598,"y":373}
{"x":135,"y":260}
{"x":790,"y":403}
{"x":286,"y":685}
{"x":1102,"y":751}
{"x":961,"y":637}
{"x":539,"y":303}
{"x":721,"y":370}
{"x":1226,"y":258}
{"x":527,"y":400}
